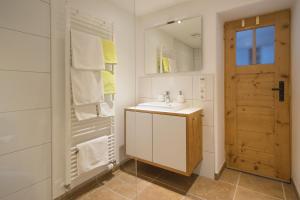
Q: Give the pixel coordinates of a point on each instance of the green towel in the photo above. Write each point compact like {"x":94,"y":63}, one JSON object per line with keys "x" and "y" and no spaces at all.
{"x":166,"y":65}
{"x":109,"y":51}
{"x":109,"y":83}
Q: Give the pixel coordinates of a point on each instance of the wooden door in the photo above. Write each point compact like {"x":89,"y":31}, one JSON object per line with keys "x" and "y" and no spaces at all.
{"x":257,"y":95}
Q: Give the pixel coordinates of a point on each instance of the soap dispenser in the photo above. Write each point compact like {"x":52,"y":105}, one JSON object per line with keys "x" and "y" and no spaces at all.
{"x":180,"y":97}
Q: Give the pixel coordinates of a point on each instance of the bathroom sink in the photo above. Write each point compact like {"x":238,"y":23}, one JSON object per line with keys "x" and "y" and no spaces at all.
{"x":162,"y":106}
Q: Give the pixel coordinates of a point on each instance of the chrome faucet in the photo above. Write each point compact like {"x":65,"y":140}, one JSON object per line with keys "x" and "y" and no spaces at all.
{"x":167,"y":97}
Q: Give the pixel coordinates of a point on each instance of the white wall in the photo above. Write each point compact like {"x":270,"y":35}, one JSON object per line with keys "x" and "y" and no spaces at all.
{"x":124,"y":29}
{"x":25,"y":103}
{"x":58,"y":94}
{"x":296,"y":94}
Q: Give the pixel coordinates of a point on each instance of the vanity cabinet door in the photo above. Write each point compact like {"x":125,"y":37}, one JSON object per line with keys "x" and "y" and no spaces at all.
{"x":139,"y":135}
{"x":169,"y":141}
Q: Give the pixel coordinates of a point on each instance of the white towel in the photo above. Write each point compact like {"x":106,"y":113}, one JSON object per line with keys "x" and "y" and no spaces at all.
{"x":107,"y":109}
{"x":87,"y":87}
{"x":87,"y":52}
{"x":92,"y":154}
{"x":173,"y":67}
{"x":86,"y":112}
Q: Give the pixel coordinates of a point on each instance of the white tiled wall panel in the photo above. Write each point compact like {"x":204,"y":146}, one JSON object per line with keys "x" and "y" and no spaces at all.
{"x":208,"y":139}
{"x":24,"y":168}
{"x":184,"y":84}
{"x":31,"y":16}
{"x":39,"y":191}
{"x":203,"y":87}
{"x":161,"y":85}
{"x":21,"y":90}
{"x":207,"y":165}
{"x":145,"y":88}
{"x":25,"y":52}
{"x":24,"y":129}
{"x":208,"y":111}
{"x":173,"y":85}
{"x":25,"y":103}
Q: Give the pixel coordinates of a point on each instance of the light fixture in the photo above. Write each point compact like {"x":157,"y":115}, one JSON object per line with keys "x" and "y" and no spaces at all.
{"x":172,"y":22}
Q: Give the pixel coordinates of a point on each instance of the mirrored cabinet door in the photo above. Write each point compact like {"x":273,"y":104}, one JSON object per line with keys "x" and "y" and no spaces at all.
{"x":174,"y":47}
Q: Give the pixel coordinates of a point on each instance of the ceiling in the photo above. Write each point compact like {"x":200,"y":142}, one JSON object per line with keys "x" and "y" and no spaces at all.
{"x":144,"y":7}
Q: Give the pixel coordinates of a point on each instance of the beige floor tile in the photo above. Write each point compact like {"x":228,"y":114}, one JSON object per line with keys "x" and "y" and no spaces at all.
{"x":245,"y":194}
{"x":212,"y":190}
{"x":104,"y":193}
{"x":126,"y":185}
{"x":230,"y":176}
{"x":155,"y":192}
{"x":260,"y":184}
{"x":290,"y":192}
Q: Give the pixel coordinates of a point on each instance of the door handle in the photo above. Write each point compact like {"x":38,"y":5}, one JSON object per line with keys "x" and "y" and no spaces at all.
{"x":280,"y":89}
{"x":275,"y":89}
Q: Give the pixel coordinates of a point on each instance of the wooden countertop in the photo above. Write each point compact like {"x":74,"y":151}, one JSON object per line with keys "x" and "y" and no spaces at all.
{"x":183,"y":112}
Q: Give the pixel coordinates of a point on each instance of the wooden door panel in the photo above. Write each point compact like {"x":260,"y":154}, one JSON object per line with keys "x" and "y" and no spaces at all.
{"x":257,"y":163}
{"x":255,"y":90}
{"x":257,"y":124}
{"x":257,"y":141}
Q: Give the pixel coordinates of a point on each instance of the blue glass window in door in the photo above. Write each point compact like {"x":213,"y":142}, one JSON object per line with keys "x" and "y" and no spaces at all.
{"x":244,"y":48}
{"x":265,"y":45}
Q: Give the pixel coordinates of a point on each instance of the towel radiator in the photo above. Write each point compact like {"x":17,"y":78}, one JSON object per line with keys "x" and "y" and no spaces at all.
{"x":81,"y":131}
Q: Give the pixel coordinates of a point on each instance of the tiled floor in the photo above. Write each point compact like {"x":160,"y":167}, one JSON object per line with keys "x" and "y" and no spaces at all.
{"x":156,"y":184}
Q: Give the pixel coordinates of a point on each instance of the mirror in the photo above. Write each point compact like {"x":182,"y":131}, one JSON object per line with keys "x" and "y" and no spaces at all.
{"x":174,"y":47}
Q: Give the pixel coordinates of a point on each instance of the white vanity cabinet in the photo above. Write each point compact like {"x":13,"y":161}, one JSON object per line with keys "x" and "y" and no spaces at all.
{"x":139,"y":135}
{"x":169,"y":141}
{"x":172,"y":141}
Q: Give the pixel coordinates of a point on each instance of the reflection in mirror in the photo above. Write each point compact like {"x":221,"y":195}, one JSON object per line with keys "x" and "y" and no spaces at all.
{"x":174,"y":47}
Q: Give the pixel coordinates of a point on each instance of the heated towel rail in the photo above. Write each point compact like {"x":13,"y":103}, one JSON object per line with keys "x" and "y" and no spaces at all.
{"x":82,"y":131}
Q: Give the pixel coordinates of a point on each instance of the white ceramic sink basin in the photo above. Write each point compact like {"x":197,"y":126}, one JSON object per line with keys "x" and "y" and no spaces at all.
{"x":162,"y":106}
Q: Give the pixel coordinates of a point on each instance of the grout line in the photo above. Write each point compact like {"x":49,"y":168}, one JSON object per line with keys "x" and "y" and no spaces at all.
{"x":236,"y":186}
{"x":25,"y":71}
{"x":24,"y":32}
{"x":196,"y":196}
{"x":116,"y":192}
{"x":284,"y":195}
{"x":26,"y":148}
{"x":45,"y":2}
{"x":27,"y":187}
{"x":26,"y":110}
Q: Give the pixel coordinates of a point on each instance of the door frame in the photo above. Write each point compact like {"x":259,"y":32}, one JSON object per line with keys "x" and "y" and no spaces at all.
{"x":283,"y":20}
